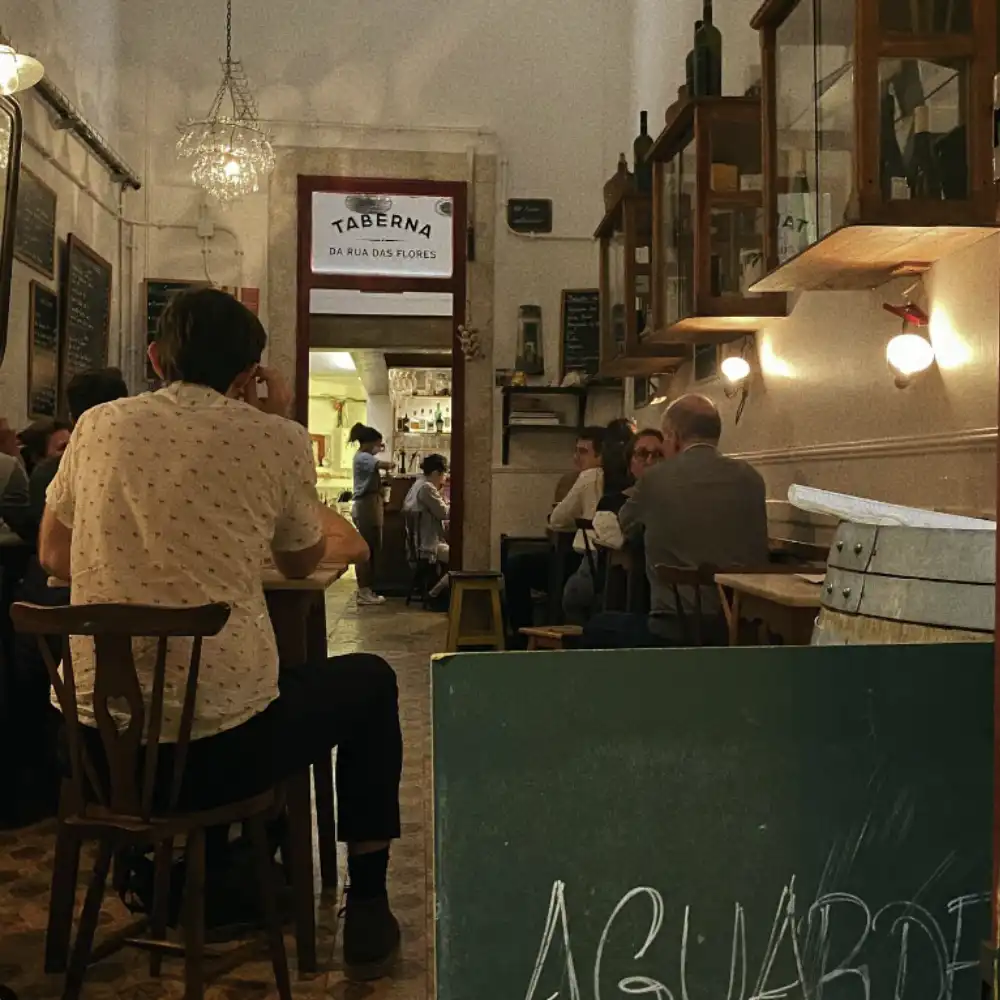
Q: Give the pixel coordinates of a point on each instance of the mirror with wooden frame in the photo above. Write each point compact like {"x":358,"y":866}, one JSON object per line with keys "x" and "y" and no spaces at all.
{"x":625,"y":238}
{"x":10,"y":168}
{"x":877,"y":137}
{"x":708,"y":224}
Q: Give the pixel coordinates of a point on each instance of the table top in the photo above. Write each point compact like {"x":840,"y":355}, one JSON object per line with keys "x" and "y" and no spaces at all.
{"x":780,"y":588}
{"x":322,"y":579}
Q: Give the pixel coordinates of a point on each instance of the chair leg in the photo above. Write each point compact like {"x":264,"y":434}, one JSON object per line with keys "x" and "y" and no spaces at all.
{"x":268,"y":895}
{"x":62,"y":899}
{"x":84,"y":944}
{"x":194,"y":917}
{"x":161,"y":901}
{"x":300,"y":863}
{"x":326,"y":820}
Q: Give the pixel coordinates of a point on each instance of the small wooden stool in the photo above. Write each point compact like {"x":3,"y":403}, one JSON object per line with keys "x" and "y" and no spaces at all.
{"x":475,"y":614}
{"x":549,"y":636}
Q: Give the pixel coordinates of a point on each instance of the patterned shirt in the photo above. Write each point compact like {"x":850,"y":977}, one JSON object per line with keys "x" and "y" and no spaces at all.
{"x":176,"y":498}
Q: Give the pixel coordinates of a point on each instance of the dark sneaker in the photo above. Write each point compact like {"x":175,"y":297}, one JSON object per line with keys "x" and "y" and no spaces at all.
{"x":371,"y":939}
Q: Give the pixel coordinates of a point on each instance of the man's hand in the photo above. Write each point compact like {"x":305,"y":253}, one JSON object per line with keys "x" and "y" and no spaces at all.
{"x":8,"y":440}
{"x":279,"y":393}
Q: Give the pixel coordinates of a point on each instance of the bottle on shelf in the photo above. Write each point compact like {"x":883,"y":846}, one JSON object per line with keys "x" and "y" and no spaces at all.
{"x":892,"y":170}
{"x":692,"y":90}
{"x":438,"y":420}
{"x":708,"y":56}
{"x":617,"y":184}
{"x":640,"y":148}
{"x":925,"y":171}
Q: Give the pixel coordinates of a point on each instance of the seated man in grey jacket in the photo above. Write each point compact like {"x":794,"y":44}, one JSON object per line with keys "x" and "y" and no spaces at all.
{"x":696,"y":508}
{"x":425,"y":498}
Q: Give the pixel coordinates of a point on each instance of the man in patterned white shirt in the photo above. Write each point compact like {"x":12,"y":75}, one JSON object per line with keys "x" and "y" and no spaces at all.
{"x":179,"y":497}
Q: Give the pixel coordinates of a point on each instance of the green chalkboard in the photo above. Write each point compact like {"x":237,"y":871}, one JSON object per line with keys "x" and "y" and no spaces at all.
{"x":713,"y":824}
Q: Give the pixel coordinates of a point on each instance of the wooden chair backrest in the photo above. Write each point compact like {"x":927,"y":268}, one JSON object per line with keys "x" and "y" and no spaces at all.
{"x":117,"y":687}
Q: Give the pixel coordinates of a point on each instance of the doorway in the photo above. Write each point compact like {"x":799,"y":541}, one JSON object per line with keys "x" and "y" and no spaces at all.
{"x":381,"y":297}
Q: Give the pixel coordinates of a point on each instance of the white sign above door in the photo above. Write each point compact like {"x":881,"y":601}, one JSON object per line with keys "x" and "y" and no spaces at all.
{"x":391,"y":235}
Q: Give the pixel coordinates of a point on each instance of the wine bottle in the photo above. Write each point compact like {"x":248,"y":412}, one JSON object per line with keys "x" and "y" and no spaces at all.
{"x":892,"y":170}
{"x":925,"y":173}
{"x":438,"y":420}
{"x":708,"y":56}
{"x":642,"y":145}
{"x":689,"y":64}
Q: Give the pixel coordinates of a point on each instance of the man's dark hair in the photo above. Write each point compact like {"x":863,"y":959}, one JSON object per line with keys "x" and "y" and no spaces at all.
{"x":595,"y":435}
{"x":89,"y":389}
{"x":695,"y":418}
{"x":206,"y":337}
{"x":434,"y":463}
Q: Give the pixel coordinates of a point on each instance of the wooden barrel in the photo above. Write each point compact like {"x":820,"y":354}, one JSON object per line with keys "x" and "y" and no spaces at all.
{"x":907,"y":585}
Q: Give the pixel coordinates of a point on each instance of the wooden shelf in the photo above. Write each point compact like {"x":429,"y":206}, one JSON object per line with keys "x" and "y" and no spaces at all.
{"x":858,"y":258}
{"x":614,"y":219}
{"x":544,"y":390}
{"x":712,"y":329}
{"x":643,"y":367}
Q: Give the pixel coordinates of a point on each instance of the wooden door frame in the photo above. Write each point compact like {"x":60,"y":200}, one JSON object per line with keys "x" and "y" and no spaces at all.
{"x":306,"y":281}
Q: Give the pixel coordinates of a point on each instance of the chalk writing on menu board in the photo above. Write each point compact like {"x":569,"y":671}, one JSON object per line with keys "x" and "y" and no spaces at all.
{"x":43,"y":357}
{"x":35,"y":224}
{"x":158,"y":293}
{"x":86,"y":313}
{"x":581,"y":331}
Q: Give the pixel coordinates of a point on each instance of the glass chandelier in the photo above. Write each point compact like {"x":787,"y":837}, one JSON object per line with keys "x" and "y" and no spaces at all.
{"x":230,"y":150}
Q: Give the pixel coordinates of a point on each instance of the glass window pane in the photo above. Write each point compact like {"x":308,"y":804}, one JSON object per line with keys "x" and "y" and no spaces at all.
{"x":835,"y":112}
{"x":737,"y":249}
{"x":643,"y":292}
{"x":678,"y":178}
{"x":616,"y":291}
{"x":736,"y":155}
{"x":797,"y":124}
{"x":926,"y":17}
{"x":923,"y":140}
{"x":687,"y":203}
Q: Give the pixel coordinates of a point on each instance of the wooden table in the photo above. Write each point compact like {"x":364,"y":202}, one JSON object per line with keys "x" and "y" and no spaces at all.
{"x":298,"y":616}
{"x":784,"y":602}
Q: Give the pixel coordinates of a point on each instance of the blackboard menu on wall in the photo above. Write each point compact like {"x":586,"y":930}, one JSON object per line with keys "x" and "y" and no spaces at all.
{"x":86,"y":309}
{"x":35,"y":224}
{"x":159,"y":291}
{"x":43,"y":351}
{"x":581,"y":331}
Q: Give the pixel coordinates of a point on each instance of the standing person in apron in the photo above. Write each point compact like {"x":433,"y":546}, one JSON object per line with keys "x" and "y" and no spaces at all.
{"x":367,"y":510}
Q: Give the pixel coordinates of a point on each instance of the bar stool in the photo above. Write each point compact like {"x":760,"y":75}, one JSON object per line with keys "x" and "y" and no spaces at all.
{"x":475,"y":614}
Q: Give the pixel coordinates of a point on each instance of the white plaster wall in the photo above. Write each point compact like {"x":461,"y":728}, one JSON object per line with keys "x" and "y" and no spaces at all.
{"x":78,"y":41}
{"x":823,"y":410}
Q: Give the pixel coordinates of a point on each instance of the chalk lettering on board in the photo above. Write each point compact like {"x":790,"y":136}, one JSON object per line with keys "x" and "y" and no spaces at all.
{"x":740,"y":942}
{"x":785,"y":916}
{"x":556,"y":917}
{"x":915,"y":915}
{"x":957,"y":907}
{"x":634,"y":984}
{"x":822,"y":906}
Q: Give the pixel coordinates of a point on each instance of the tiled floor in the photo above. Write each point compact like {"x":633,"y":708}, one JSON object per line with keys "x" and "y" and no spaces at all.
{"x":406,"y":638}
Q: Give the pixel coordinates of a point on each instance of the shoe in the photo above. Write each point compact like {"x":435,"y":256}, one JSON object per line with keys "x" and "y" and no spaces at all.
{"x":368,"y":597}
{"x":371,"y":939}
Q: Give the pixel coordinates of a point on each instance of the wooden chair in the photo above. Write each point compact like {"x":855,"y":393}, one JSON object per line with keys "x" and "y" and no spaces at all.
{"x":423,"y":573}
{"x":125,"y":804}
{"x":475,"y":614}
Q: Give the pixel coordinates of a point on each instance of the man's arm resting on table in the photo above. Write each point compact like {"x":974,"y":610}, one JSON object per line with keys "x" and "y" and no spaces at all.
{"x":55,"y":542}
{"x":340,"y":543}
{"x":298,"y":565}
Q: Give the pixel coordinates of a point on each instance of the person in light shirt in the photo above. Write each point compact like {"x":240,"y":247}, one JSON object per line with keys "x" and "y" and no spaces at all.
{"x":178,"y":498}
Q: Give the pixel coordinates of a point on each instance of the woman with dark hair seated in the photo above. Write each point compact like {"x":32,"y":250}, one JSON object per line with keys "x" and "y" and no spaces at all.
{"x":580,"y":592}
{"x":42,"y":439}
{"x":425,"y":498}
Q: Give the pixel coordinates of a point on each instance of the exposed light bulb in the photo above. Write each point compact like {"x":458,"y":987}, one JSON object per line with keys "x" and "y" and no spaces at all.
{"x":231,"y":169}
{"x":908,"y":355}
{"x":18,"y":72}
{"x":735,"y":369}
{"x":8,"y":70}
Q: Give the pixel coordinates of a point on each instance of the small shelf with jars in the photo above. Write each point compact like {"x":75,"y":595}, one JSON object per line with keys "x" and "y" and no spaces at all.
{"x":708,"y":225}
{"x":878,"y":140}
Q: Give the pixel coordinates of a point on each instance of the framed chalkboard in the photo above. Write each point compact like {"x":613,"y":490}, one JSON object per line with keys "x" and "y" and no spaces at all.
{"x":581,"y":331}
{"x":43,"y":351}
{"x":85,"y":317}
{"x":529,"y":215}
{"x":158,"y":292}
{"x":35,"y":224}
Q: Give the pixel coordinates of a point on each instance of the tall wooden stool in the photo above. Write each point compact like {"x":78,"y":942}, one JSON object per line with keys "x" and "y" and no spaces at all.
{"x":475,"y":614}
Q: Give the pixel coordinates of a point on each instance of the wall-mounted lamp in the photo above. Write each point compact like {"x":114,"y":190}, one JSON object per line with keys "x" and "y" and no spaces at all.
{"x":736,"y":377}
{"x":909,"y":353}
{"x":17,"y":71}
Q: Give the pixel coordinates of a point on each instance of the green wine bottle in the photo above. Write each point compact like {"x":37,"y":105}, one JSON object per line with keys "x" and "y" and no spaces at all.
{"x":640,"y":148}
{"x":708,"y":56}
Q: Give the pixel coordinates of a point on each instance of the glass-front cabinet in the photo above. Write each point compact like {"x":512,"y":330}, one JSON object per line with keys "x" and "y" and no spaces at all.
{"x":878,"y":136}
{"x":708,"y":224}
{"x":625,"y":238}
